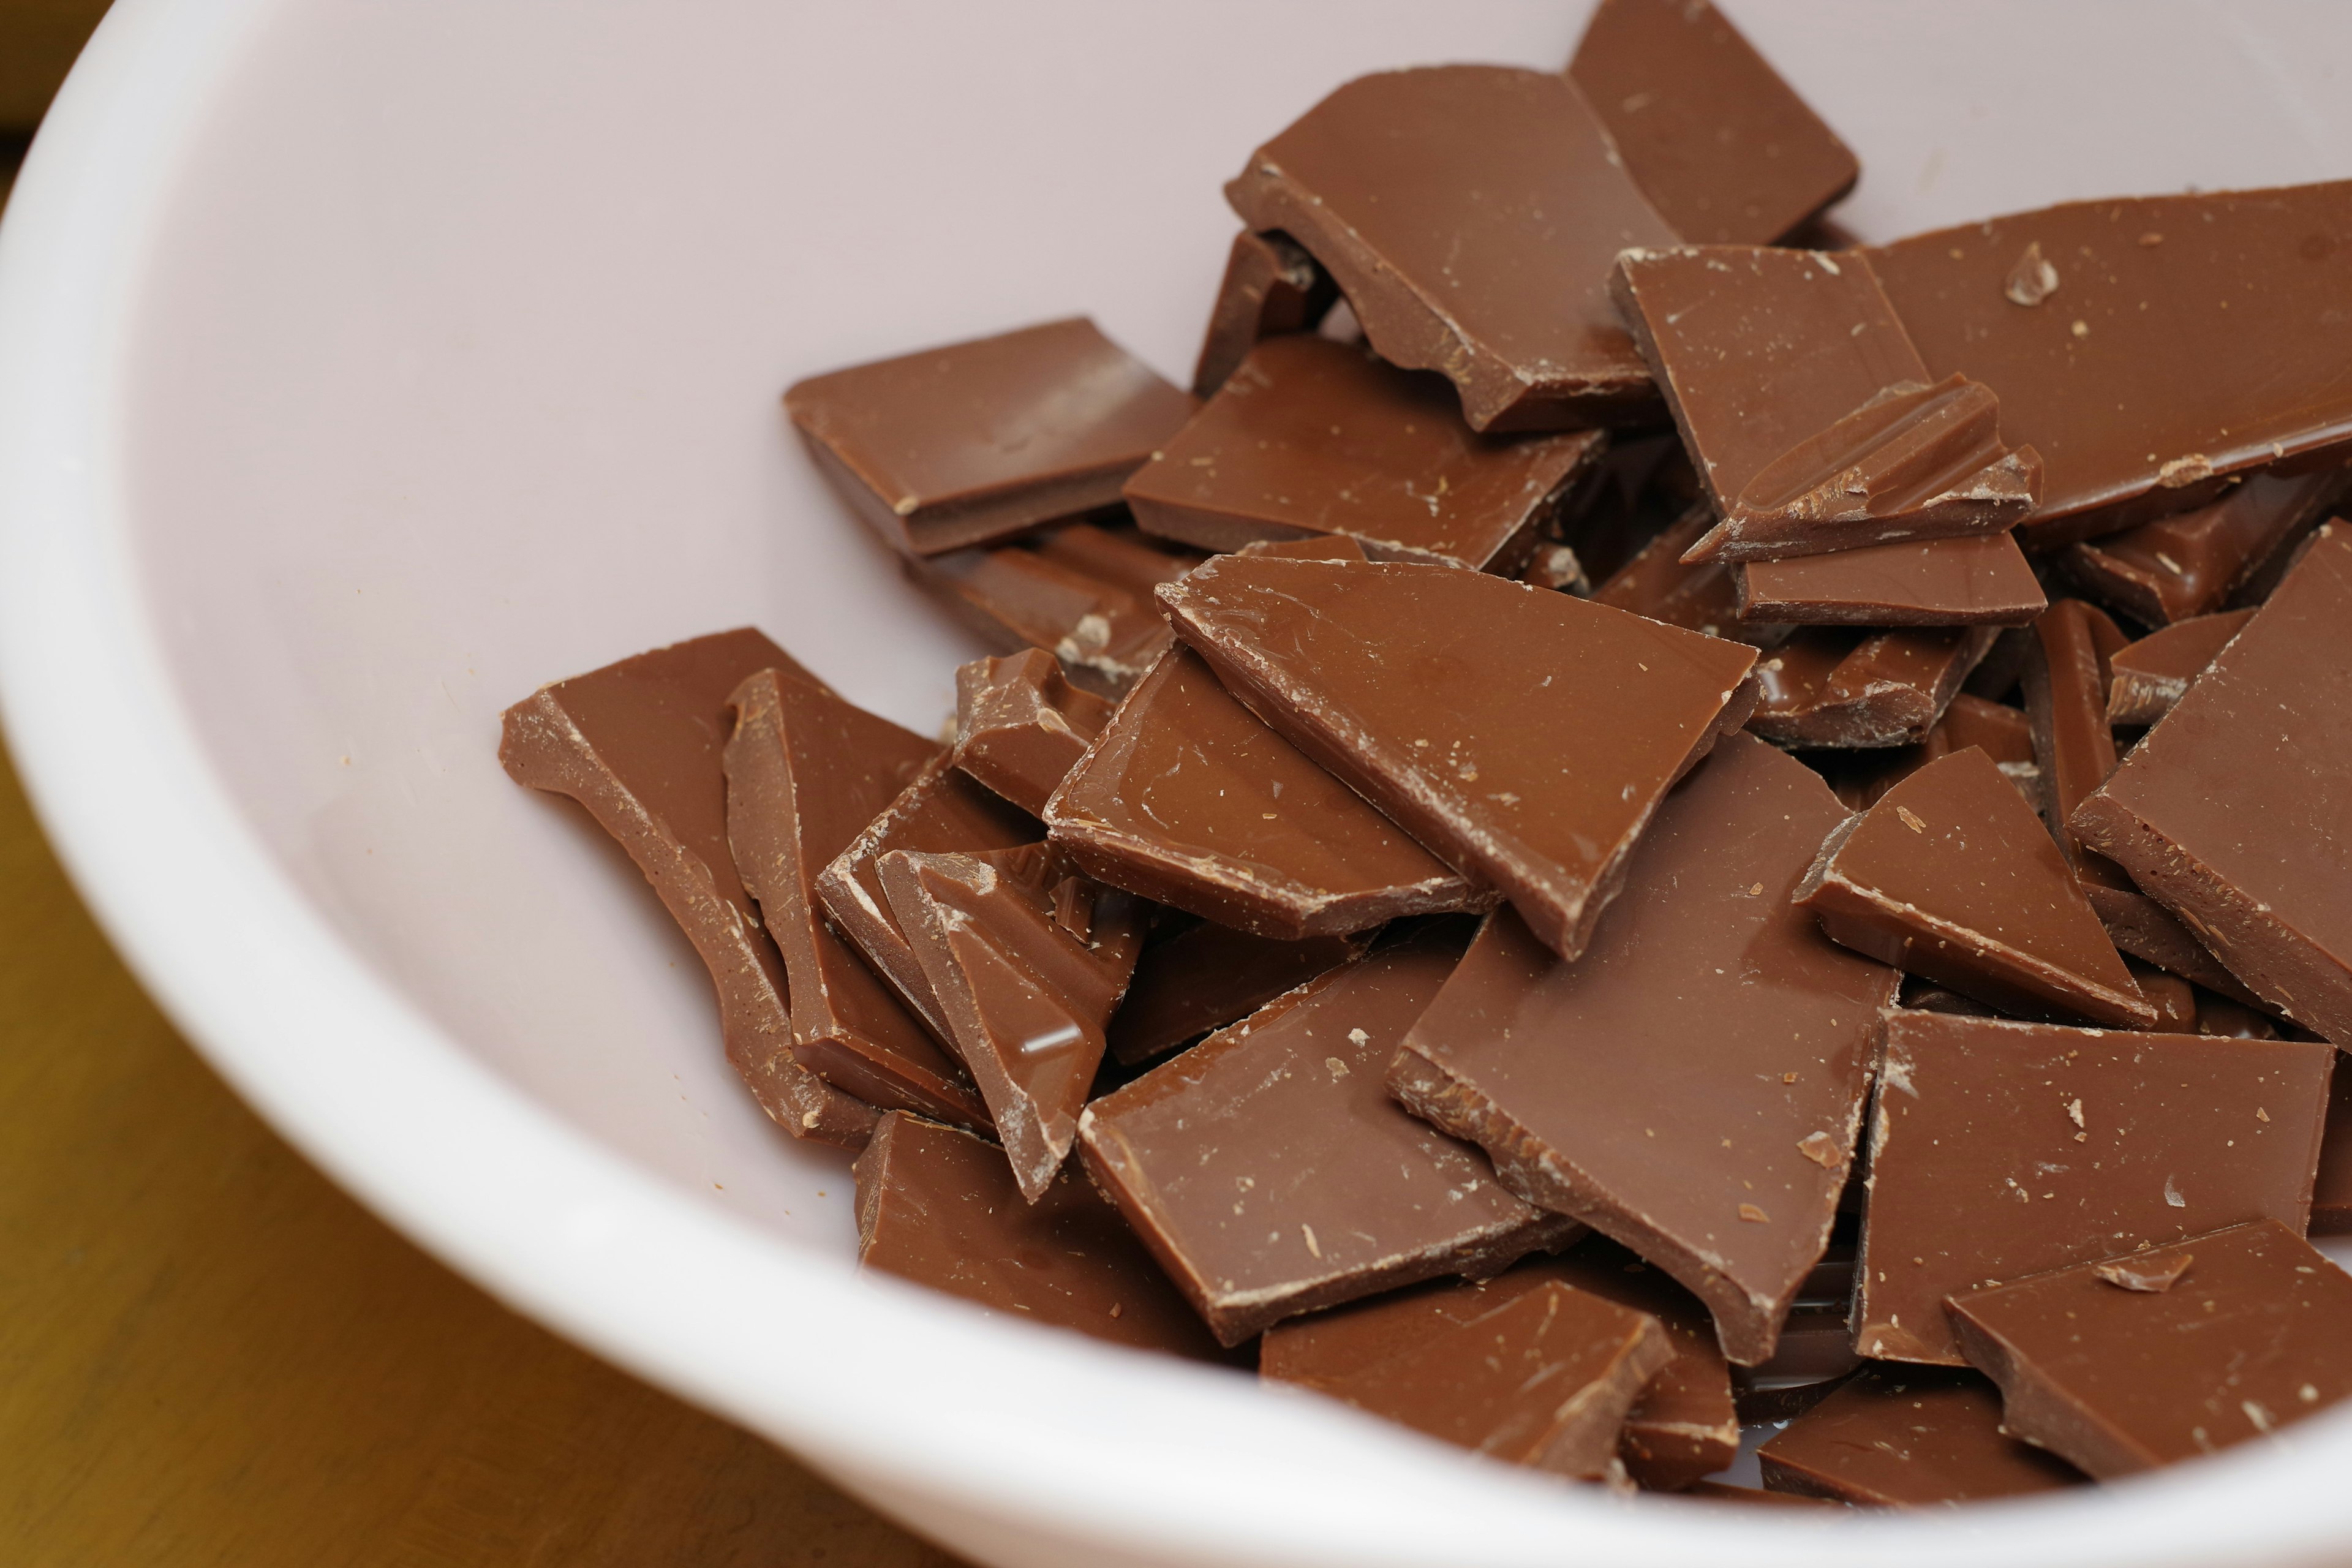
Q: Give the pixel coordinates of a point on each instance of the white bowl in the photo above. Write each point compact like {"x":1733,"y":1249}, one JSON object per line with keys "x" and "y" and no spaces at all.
{"x":363,"y":366}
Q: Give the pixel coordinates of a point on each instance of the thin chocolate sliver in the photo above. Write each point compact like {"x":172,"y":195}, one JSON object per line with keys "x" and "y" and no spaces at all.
{"x":1838,"y":690}
{"x":1968,"y":582}
{"x":1020,"y":725}
{"x":1908,"y":1437}
{"x":2194,"y":562}
{"x":1210,"y":976}
{"x":2146,"y":678}
{"x":1270,"y":286}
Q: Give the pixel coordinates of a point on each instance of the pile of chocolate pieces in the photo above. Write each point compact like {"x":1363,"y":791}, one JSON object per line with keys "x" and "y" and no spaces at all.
{"x":1631,"y":817}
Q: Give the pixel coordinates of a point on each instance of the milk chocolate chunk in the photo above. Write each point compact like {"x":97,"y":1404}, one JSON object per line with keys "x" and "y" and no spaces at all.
{"x":2194,"y":562}
{"x":2003,"y":733}
{"x":1639,"y":485}
{"x":977,"y":441}
{"x":1952,"y":876}
{"x":1722,"y":146}
{"x":2331,"y":1191}
{"x":2155,"y":1357}
{"x":1020,"y":725}
{"x":1314,"y":547}
{"x":806,"y":772}
{"x":1270,"y":286}
{"x":639,"y":743}
{"x":1270,"y":1173}
{"x":2000,"y":1149}
{"x":1187,"y":798}
{"x":1470,"y":214}
{"x":1027,"y":961}
{"x":1978,"y":582}
{"x":2188,"y":338}
{"x":1839,"y":690}
{"x":937,"y":1206}
{"x":1908,"y":1437}
{"x":1808,"y":414}
{"x":1081,"y":593}
{"x":1724,"y":1491}
{"x":1656,"y":582}
{"x":1451,"y":701}
{"x":2065,"y":681}
{"x":1693,"y":1085}
{"x":1310,"y":437}
{"x":2174,"y":999}
{"x":1209,"y":975}
{"x":2146,"y":678}
{"x":2231,"y":812}
{"x":942,"y":811}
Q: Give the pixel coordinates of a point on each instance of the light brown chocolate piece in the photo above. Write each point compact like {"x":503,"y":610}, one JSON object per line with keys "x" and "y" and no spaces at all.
{"x":2000,"y":1150}
{"x":938,"y":1206}
{"x":2157,"y":1357}
{"x":1188,"y":799}
{"x":1908,"y":1437}
{"x":1693,"y":1085}
{"x":1978,"y":582}
{"x":1315,"y":547}
{"x":2146,"y":678}
{"x":978,"y":441}
{"x":1020,"y":725}
{"x":1840,"y":689}
{"x":639,"y":744}
{"x":806,"y":772}
{"x":1951,"y":877}
{"x":1722,"y":146}
{"x":1270,"y":1173}
{"x":1657,"y":583}
{"x":1270,"y":286}
{"x":1209,"y":975}
{"x":2000,"y":732}
{"x":1449,"y":699}
{"x":1415,"y":190}
{"x":1310,"y":437}
{"x":2193,"y":563}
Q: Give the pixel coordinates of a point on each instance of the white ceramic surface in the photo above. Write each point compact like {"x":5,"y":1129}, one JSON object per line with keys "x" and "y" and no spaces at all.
{"x":363,"y":365}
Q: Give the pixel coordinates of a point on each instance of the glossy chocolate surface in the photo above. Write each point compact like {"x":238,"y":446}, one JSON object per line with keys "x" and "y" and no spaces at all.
{"x":1836,"y":689}
{"x":1209,"y":975}
{"x":2065,"y":681}
{"x":2146,"y":678}
{"x":1908,"y":1437}
{"x":1020,"y":724}
{"x":1982,"y":580}
{"x":2194,"y":562}
{"x":2001,"y":1149}
{"x":1270,"y":286}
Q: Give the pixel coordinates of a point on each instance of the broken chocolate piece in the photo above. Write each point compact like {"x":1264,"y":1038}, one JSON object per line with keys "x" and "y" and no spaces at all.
{"x":1838,"y":690}
{"x":1315,"y":547}
{"x":1693,"y":1084}
{"x":1978,"y":582}
{"x":2193,"y":563}
{"x":1657,"y":583}
{"x":1188,"y":799}
{"x":1812,"y":1360}
{"x":2174,"y":999}
{"x":1310,"y":436}
{"x":1020,"y":725}
{"x":1270,"y":286}
{"x":1208,"y":976}
{"x":2231,"y":812}
{"x":2126,"y":1365}
{"x":1449,"y":700}
{"x":806,"y":772}
{"x":1908,"y":1437}
{"x":1639,"y":486}
{"x":1951,"y":877}
{"x":1724,"y":1492}
{"x":2001,"y":1149}
{"x":2146,"y":678}
{"x":1270,"y":1173}
{"x":977,"y":441}
{"x":639,"y":744}
{"x":1722,"y":146}
{"x":1470,"y":214}
{"x":1806,"y":409}
{"x":938,"y":1206}
{"x":2225,"y":1017}
{"x":2159,"y":364}
{"x":2331,"y":1191}
{"x":2001,"y":733}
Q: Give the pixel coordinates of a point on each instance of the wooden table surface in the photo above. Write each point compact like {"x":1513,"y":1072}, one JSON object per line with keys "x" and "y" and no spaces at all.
{"x":209,"y":1356}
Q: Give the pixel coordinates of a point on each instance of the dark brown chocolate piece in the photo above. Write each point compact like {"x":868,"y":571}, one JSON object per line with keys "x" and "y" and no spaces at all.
{"x":1950,"y":876}
{"x":1020,"y":725}
{"x":1556,"y":566}
{"x":1930,"y":997}
{"x":1807,"y":410}
{"x":1908,"y":1437}
{"x":978,"y":441}
{"x":1978,"y":582}
{"x":2227,"y":1018}
{"x":1722,"y":146}
{"x":2146,"y":678}
{"x":1470,"y":214}
{"x":1270,"y":286}
{"x":2001,"y":1149}
{"x":2193,"y":563}
{"x":1188,"y":799}
{"x":1657,"y":583}
{"x":1693,"y":1085}
{"x":1837,"y":689}
{"x":2157,"y":1357}
{"x":2232,"y":812}
{"x":1449,"y":699}
{"x":1082,"y":592}
{"x":806,"y":772}
{"x":2000,"y":732}
{"x":2174,"y":999}
{"x":1209,"y":975}
{"x":2186,"y":338}
{"x":2331,"y":1190}
{"x":1270,"y":1173}
{"x":1813,"y":1359}
{"x":639,"y":744}
{"x":1310,"y":436}
{"x":938,"y":1206}
{"x":1639,"y":486}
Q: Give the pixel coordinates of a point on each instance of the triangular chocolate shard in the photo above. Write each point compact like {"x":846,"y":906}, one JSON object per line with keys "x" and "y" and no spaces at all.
{"x":1952,"y":876}
{"x":1526,"y":737}
{"x":1835,"y":688}
{"x":1027,"y":961}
